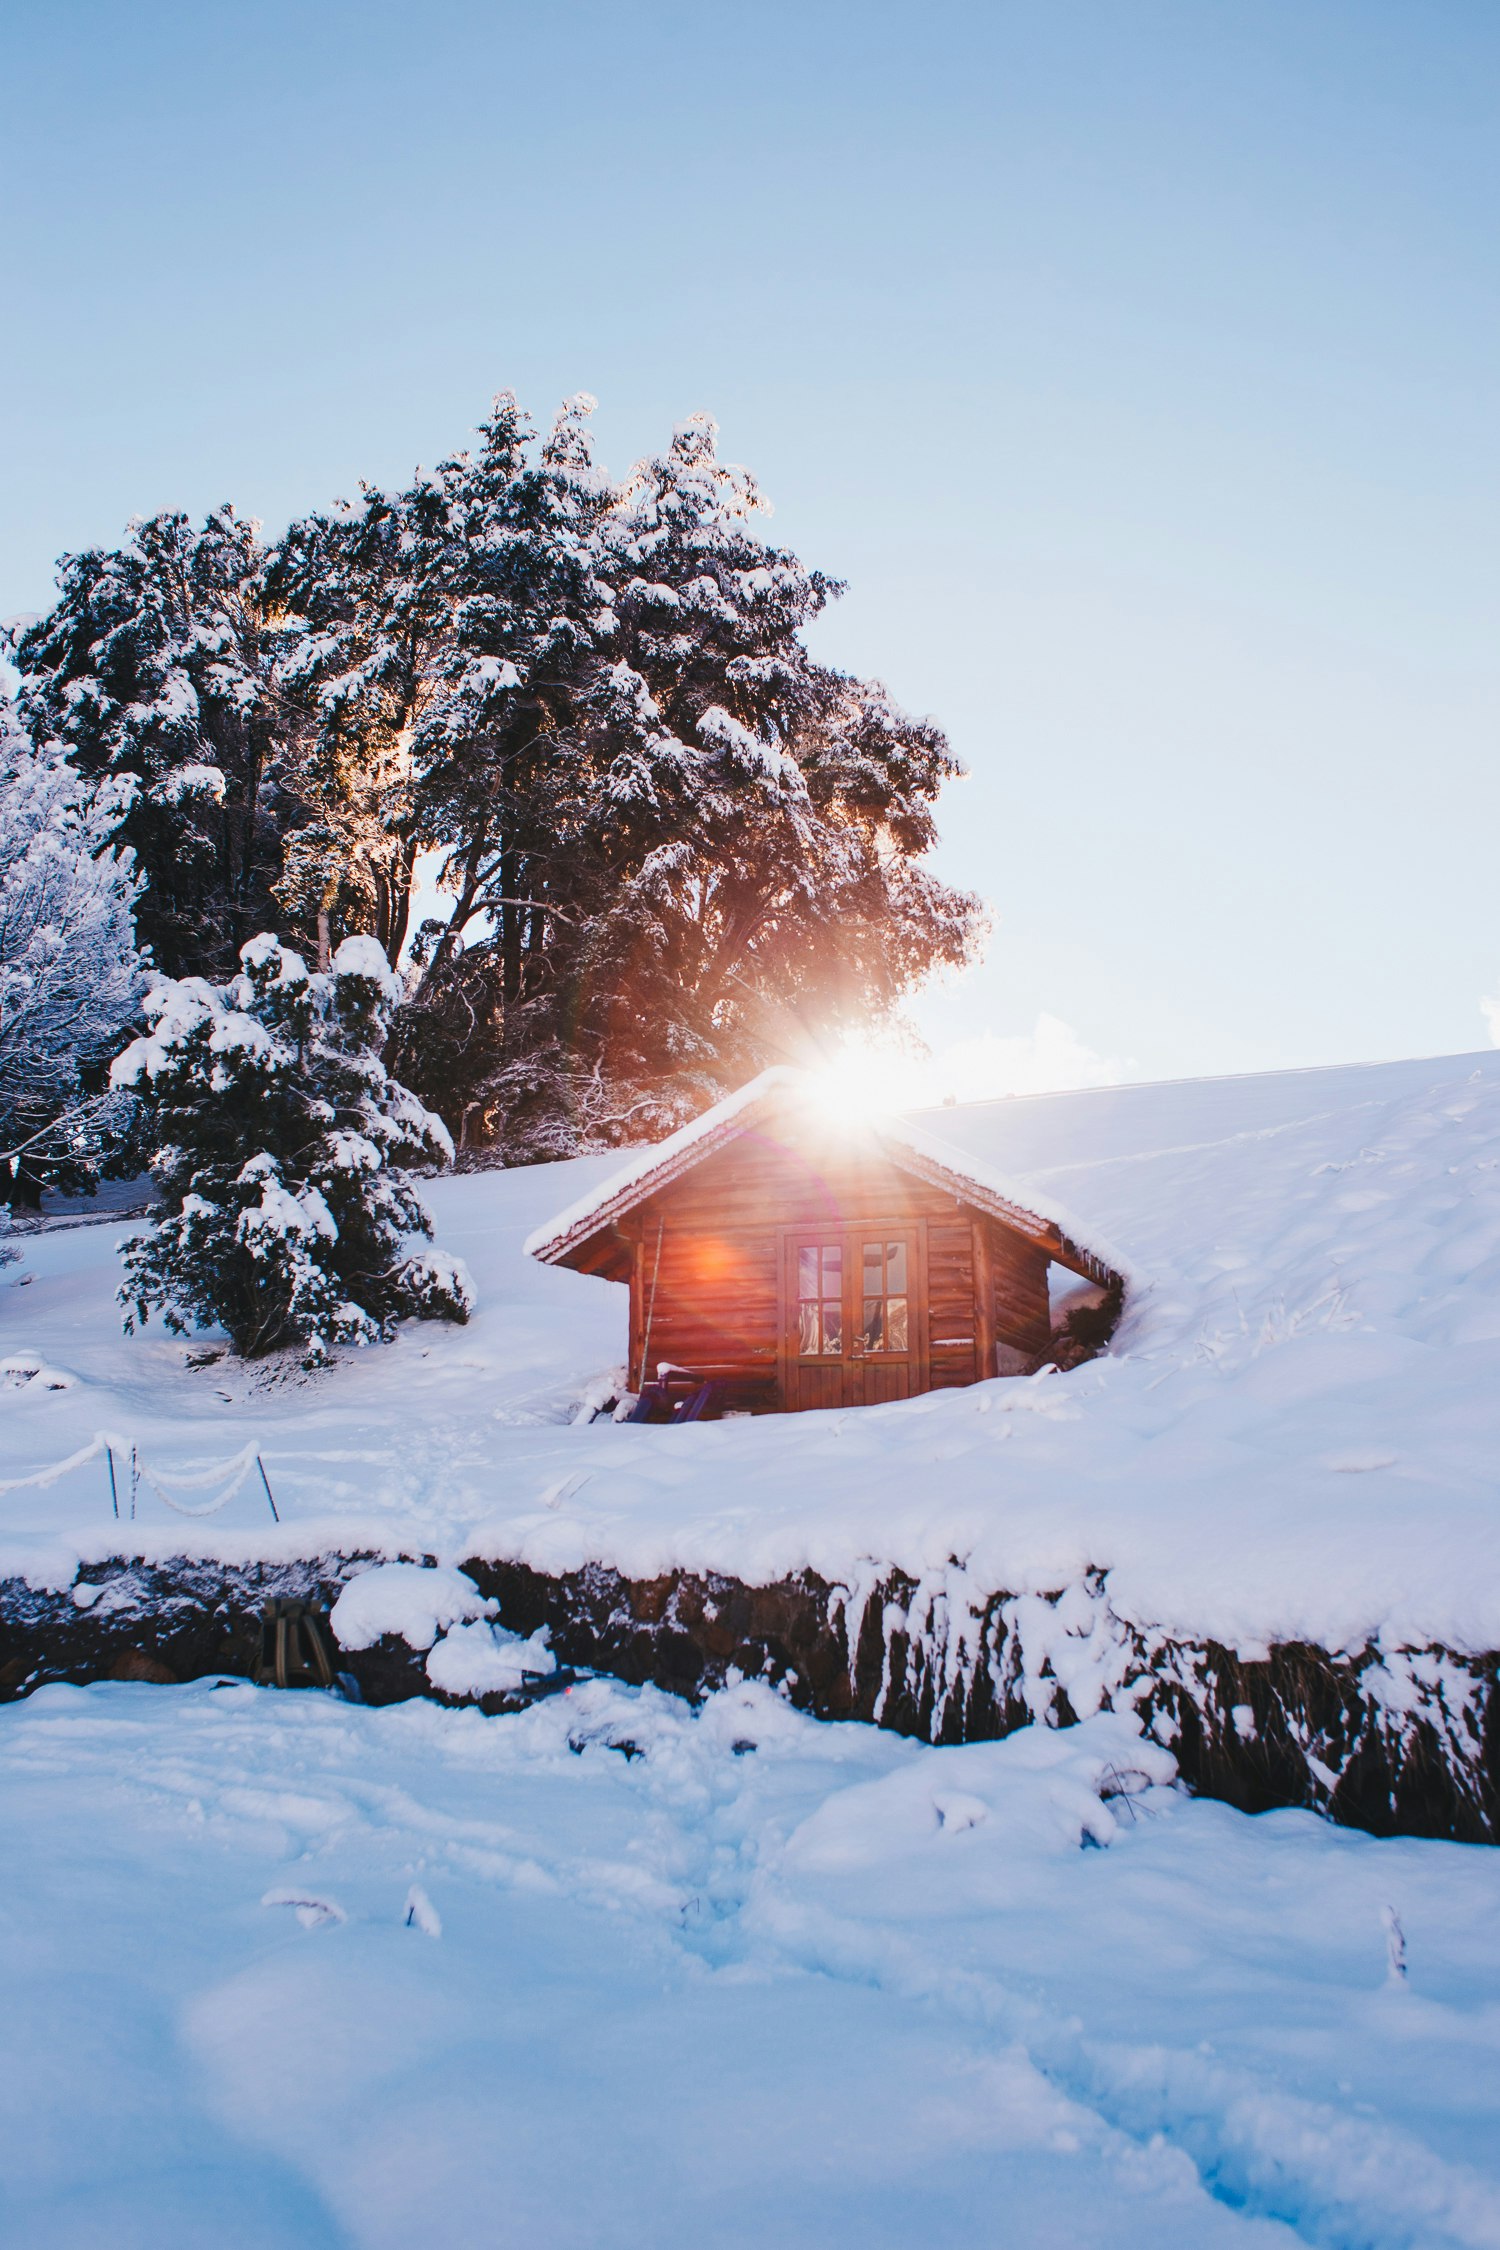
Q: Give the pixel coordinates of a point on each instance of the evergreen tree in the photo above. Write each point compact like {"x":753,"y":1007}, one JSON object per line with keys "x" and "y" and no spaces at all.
{"x":70,"y":970}
{"x":361,"y":601}
{"x":279,"y":1143}
{"x":733,"y":831}
{"x":501,"y":760}
{"x":686,"y":848}
{"x":153,"y":666}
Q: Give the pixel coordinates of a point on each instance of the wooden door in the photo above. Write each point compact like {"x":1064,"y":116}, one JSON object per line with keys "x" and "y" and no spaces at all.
{"x":853,"y":1325}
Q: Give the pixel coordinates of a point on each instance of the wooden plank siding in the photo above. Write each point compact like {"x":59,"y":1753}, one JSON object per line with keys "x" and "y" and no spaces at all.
{"x":1019,"y":1277}
{"x":711,"y":1297}
{"x":952,"y":1325}
{"x":712,"y":1265}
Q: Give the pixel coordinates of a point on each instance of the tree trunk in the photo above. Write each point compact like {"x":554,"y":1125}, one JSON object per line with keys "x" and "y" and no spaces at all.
{"x":399,"y":909}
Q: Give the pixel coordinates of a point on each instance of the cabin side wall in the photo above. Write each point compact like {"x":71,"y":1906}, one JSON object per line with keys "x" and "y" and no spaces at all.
{"x":706,"y":1297}
{"x":1018,"y":1284}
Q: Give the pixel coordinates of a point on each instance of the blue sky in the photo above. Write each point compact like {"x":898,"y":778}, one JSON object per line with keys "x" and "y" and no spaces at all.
{"x":1135,"y":363}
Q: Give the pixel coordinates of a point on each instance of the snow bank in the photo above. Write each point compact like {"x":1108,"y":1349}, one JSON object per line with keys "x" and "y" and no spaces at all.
{"x":481,"y":1659}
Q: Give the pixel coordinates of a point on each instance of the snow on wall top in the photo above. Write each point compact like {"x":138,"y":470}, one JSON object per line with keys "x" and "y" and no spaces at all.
{"x":909,"y":1145}
{"x":1293,"y":1435}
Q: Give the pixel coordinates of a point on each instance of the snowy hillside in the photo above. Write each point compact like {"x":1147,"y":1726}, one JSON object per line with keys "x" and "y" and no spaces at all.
{"x":618,"y":1970}
{"x":1293,"y":1435}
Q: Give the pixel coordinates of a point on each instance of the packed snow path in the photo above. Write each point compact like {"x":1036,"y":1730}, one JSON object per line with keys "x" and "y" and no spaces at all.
{"x":282,"y":1970}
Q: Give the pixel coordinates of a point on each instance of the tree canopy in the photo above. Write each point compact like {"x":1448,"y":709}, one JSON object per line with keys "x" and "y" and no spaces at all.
{"x":667,"y":845}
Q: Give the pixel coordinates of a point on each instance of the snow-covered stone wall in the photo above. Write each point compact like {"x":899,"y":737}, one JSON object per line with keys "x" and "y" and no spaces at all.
{"x":1401,"y":1742}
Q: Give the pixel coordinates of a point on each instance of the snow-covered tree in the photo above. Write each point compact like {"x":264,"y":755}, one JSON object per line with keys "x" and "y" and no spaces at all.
{"x":720,"y":841}
{"x":279,"y":1142}
{"x":154,"y":664}
{"x":677,"y":848}
{"x":504,"y":766}
{"x":362,"y":607}
{"x":781,"y":898}
{"x":70,"y":971}
{"x":673,"y":846}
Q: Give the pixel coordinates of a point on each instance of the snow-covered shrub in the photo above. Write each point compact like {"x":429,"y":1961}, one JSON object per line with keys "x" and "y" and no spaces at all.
{"x":70,"y":971}
{"x":278,"y":1142}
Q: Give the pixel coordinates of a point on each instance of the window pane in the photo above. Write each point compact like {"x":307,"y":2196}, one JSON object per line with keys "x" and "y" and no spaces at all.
{"x":872,"y":1324}
{"x":808,"y":1326}
{"x":807,"y":1272}
{"x":874,"y":1266}
{"x":833,"y":1268}
{"x":895,"y":1324}
{"x":895,"y":1268}
{"x":833,"y":1326}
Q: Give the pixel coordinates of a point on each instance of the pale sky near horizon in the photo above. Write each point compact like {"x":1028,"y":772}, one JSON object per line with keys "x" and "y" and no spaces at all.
{"x":1136,"y":364}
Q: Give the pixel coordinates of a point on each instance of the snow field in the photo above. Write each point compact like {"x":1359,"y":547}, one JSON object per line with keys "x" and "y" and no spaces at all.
{"x":613,"y":1971}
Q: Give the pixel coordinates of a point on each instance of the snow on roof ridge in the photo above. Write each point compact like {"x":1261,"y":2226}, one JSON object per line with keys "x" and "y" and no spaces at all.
{"x":891,"y":1131}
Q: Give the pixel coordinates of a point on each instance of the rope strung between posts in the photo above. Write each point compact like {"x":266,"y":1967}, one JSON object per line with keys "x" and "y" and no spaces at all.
{"x":107,"y":1442}
{"x":236,"y":1470}
{"x":90,"y":1452}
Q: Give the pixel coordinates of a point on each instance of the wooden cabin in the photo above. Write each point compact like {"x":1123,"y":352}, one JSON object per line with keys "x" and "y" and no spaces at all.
{"x":796,"y":1260}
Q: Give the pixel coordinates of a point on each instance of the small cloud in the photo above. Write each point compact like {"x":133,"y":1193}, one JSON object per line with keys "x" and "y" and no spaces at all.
{"x":1049,"y":1059}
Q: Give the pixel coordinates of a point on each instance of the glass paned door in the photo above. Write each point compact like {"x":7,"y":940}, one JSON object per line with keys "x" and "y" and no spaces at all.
{"x":820,"y":1300}
{"x":852,"y":1328}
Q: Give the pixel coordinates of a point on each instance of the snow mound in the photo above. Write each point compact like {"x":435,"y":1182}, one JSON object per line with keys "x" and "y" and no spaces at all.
{"x":1291,"y":1438}
{"x":1047,"y":1790}
{"x":412,"y":1601}
{"x":483,"y":1659}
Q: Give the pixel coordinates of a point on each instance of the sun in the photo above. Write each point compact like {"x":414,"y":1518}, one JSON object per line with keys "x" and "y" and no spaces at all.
{"x":860,"y":1081}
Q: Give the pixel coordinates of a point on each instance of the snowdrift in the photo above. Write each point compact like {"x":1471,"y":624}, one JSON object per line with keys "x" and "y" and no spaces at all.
{"x":1267,"y":1515}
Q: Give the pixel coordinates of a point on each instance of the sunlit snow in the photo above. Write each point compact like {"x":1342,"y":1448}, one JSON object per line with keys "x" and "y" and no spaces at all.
{"x":615,"y":1972}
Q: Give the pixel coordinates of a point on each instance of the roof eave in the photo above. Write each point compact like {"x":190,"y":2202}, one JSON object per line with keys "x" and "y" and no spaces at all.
{"x":929,"y":1168}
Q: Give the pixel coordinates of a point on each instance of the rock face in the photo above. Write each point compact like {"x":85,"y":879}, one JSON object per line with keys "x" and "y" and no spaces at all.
{"x":177,"y":1620}
{"x":1405,"y":1743}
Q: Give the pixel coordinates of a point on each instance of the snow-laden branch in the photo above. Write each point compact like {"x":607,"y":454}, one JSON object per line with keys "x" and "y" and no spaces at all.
{"x":70,"y":970}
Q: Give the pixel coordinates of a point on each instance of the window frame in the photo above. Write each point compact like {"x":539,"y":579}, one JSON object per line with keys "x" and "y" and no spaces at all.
{"x":830,"y":1239}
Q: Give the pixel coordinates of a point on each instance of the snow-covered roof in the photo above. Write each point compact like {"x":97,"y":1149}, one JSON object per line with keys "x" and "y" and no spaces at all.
{"x":910,"y":1147}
